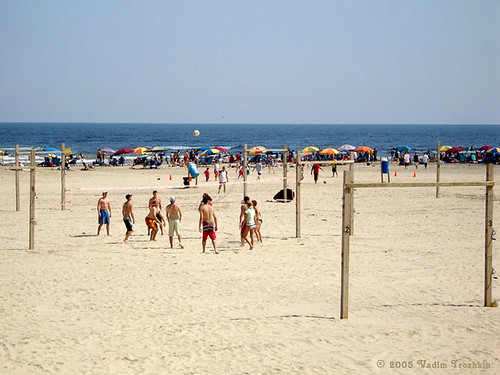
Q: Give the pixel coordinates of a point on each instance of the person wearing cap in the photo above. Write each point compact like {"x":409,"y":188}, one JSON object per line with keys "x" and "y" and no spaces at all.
{"x":128,"y":216}
{"x":174,"y":218}
{"x":104,"y":212}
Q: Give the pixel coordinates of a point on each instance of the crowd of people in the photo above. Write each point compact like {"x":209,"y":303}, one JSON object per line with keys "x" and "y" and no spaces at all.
{"x":250,"y":219}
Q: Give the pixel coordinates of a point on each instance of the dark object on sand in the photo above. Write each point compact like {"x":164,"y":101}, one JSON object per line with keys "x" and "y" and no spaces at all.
{"x":280,"y":195}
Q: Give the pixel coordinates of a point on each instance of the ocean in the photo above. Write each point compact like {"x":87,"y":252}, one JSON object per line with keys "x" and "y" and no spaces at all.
{"x":87,"y":138}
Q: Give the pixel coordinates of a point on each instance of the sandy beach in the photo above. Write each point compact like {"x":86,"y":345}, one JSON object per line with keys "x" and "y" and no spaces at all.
{"x":82,"y":304}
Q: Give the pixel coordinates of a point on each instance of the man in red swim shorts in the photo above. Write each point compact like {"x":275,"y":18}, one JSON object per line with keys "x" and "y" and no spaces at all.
{"x":209,"y":222}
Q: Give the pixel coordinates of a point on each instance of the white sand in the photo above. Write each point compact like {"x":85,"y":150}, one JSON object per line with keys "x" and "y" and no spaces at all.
{"x":85,"y":304}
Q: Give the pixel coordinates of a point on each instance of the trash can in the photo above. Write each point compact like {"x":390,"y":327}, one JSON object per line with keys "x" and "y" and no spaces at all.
{"x":385,"y":166}
{"x":186,"y":181}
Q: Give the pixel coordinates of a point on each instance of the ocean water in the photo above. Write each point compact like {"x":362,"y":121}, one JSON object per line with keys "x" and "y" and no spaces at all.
{"x":88,"y":137}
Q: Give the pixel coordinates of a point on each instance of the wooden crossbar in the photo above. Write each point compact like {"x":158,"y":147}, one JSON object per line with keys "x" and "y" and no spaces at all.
{"x":418,"y":184}
{"x":326,"y":162}
{"x":13,"y":167}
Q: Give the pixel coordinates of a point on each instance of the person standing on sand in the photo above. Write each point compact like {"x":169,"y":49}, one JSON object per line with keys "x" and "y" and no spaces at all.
{"x":315,"y":168}
{"x":258,"y":221}
{"x":242,"y":223}
{"x":155,"y":200}
{"x":208,"y":221}
{"x":334,"y":168}
{"x":152,"y":222}
{"x":207,"y":174}
{"x":223,"y":179}
{"x":216,"y":170}
{"x":128,"y":216}
{"x":258,"y":168}
{"x":425,"y":160}
{"x":407,"y":159}
{"x":104,"y":212}
{"x":250,"y":223}
{"x":174,"y":217}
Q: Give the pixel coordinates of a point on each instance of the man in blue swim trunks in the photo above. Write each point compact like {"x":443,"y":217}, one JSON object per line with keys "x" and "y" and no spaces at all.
{"x":104,"y":212}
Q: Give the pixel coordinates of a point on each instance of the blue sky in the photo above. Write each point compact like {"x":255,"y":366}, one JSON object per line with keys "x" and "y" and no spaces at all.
{"x":231,"y":61}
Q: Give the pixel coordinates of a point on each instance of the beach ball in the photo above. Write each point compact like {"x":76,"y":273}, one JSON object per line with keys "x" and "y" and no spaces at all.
{"x":196,"y":133}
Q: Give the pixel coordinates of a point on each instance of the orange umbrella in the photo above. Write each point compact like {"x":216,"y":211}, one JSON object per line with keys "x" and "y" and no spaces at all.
{"x":363,"y":149}
{"x":140,"y":150}
{"x":329,"y":151}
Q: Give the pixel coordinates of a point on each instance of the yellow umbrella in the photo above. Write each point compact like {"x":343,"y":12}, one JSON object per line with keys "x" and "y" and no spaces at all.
{"x":210,"y":151}
{"x":444,"y":148}
{"x":140,"y":150}
{"x":1,"y":152}
{"x":329,"y":151}
{"x":310,"y":149}
{"x":68,"y":151}
{"x":257,"y":150}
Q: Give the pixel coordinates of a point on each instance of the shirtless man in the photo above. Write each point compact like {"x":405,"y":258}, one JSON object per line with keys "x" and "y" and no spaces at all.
{"x":155,"y":200}
{"x":152,"y":222}
{"x":128,"y":216}
{"x":174,"y":217}
{"x":242,"y":222}
{"x":209,"y":222}
{"x":104,"y":212}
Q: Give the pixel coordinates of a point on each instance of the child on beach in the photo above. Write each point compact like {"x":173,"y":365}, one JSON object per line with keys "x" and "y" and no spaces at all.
{"x":258,"y":222}
{"x":207,"y":174}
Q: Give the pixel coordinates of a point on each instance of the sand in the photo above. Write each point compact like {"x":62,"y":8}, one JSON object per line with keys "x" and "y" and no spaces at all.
{"x":81,"y":304}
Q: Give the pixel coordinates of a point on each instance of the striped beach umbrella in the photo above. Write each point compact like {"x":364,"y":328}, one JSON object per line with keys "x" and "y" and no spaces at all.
{"x":310,"y":149}
{"x":346,"y":147}
{"x":210,"y":151}
{"x":257,"y":150}
{"x":493,"y":150}
{"x":444,"y":148}
{"x":140,"y":150}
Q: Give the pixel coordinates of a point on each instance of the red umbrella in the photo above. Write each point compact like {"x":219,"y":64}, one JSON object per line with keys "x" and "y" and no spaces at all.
{"x":454,"y":149}
{"x":221,"y":149}
{"x":485,"y":148}
{"x":124,"y":151}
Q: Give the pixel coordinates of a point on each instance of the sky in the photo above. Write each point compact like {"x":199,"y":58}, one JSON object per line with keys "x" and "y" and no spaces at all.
{"x":235,"y":61}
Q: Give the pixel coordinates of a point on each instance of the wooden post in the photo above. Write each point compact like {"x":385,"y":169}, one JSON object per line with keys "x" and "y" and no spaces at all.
{"x":63,"y":176}
{"x":196,"y":180}
{"x":488,"y":238}
{"x":285,"y":173}
{"x":351,"y":180}
{"x":346,"y":229}
{"x":438,"y":168}
{"x":298,"y":176}
{"x":18,"y":198}
{"x":32,"y":201}
{"x":245,"y":169}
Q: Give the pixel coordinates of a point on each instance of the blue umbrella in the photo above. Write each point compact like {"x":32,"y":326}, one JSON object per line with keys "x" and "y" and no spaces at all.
{"x":403,"y":148}
{"x":52,"y":150}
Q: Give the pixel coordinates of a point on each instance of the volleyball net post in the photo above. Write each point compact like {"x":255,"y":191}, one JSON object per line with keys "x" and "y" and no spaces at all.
{"x":347,"y":213}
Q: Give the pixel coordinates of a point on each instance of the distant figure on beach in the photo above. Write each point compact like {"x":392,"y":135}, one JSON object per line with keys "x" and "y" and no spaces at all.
{"x":155,"y":200}
{"x":174,"y":217}
{"x":258,"y":168}
{"x":128,"y":216}
{"x":425,"y":160}
{"x":104,"y":211}
{"x":407,"y":159}
{"x":415,"y":160}
{"x":270,"y":164}
{"x":242,"y":223}
{"x":334,"y":168}
{"x":240,"y":171}
{"x":207,"y":174}
{"x":315,"y":169}
{"x":152,"y":222}
{"x":258,"y":221}
{"x":301,"y":172}
{"x":216,"y":170}
{"x":223,"y":179}
{"x":208,"y":221}
{"x":249,"y":217}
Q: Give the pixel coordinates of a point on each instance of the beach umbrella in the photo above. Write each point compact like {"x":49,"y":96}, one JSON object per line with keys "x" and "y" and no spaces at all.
{"x":155,"y":149}
{"x":329,"y":151}
{"x":493,"y":150}
{"x":68,"y":151}
{"x":363,"y":149}
{"x":346,"y":147}
{"x":310,"y":149}
{"x":221,"y":149}
{"x":257,"y":150}
{"x":124,"y":151}
{"x":454,"y":149}
{"x":444,"y":148}
{"x":403,"y":148}
{"x":210,"y":151}
{"x":109,"y":150}
{"x":485,"y":148}
{"x":52,"y":150}
{"x":1,"y":152}
{"x":140,"y":150}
